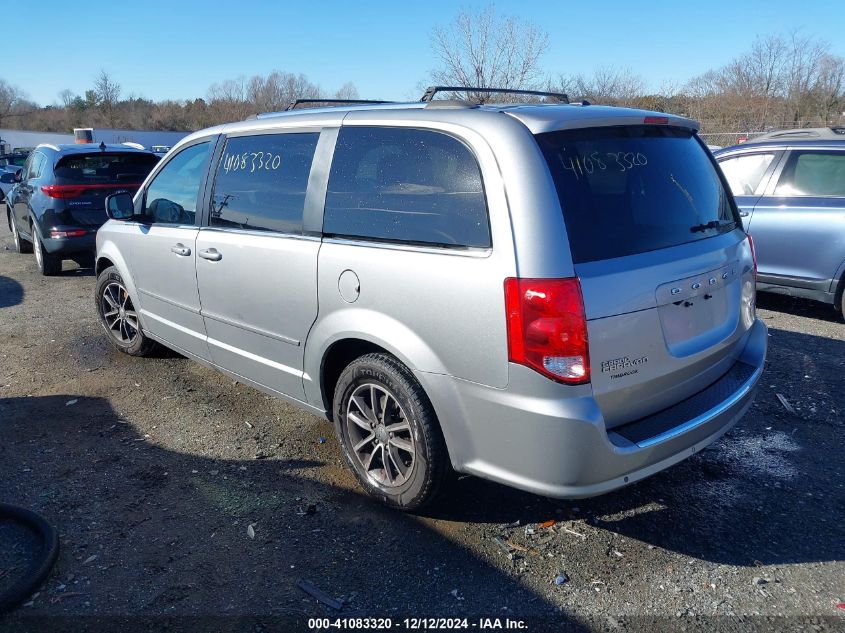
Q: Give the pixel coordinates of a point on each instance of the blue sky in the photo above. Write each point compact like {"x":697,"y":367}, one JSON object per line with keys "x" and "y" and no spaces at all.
{"x":160,"y":49}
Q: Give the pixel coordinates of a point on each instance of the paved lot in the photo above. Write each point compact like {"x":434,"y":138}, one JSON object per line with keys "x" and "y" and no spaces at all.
{"x":153,"y":469}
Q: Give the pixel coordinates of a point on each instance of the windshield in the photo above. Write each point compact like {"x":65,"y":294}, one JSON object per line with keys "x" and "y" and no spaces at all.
{"x":632,"y":189}
{"x":105,"y":168}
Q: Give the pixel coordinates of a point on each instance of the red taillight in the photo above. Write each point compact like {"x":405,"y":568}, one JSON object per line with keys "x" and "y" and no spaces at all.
{"x":74,"y":191}
{"x":547,"y":327}
{"x":753,"y":254}
{"x":63,"y":191}
{"x":656,"y":120}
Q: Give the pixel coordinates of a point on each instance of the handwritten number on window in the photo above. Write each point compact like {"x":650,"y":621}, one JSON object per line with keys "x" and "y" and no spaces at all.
{"x":586,"y":165}
{"x":251,"y":162}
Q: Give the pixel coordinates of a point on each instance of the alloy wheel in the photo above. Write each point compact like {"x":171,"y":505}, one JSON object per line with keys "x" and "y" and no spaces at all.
{"x":380,"y":435}
{"x":119,"y":313}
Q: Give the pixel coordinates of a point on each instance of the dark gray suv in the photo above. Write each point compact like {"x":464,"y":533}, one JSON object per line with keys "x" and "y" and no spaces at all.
{"x":56,"y":205}
{"x":790,"y":189}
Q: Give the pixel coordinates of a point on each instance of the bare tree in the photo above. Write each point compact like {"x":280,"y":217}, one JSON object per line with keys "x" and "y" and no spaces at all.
{"x":12,"y":101}
{"x":347,"y":91}
{"x":107,"y":93}
{"x":783,"y":81}
{"x":67,"y":98}
{"x":607,"y":85}
{"x":278,"y":89}
{"x":828,"y":92}
{"x":488,"y":51}
{"x":227,"y":100}
{"x":805,"y":60}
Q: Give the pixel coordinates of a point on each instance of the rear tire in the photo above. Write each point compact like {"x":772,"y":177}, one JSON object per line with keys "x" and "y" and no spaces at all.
{"x":118,"y":315}
{"x":395,"y":448}
{"x":49,"y":264}
{"x":21,"y":245}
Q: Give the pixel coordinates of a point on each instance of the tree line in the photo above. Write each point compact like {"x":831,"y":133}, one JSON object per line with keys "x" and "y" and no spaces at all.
{"x":782,"y":81}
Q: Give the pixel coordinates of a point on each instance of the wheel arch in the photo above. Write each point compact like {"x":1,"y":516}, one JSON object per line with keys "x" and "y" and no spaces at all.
{"x":335,"y":359}
{"x":352,"y":330}
{"x":109,"y":255}
{"x":838,"y":285}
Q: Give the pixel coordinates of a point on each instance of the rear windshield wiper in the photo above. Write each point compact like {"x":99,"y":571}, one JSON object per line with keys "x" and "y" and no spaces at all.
{"x":713,"y":224}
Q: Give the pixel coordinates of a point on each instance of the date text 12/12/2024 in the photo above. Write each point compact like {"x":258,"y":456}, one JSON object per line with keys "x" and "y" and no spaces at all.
{"x":417,"y":624}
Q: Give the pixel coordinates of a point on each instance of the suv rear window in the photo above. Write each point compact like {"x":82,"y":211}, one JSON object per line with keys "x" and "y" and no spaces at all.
{"x":406,"y":185}
{"x":104,"y":167}
{"x":631,"y":189}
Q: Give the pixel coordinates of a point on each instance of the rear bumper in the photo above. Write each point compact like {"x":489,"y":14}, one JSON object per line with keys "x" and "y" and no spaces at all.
{"x":71,"y":245}
{"x":531,"y":438}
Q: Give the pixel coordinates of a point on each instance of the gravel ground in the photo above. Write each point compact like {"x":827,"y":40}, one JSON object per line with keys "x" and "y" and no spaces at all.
{"x":181,"y":494}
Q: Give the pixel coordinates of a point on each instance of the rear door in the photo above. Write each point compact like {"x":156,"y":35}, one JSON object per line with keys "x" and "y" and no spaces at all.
{"x":799,"y":224}
{"x":256,"y":268}
{"x":665,"y":270}
{"x":163,"y":250}
{"x":747,"y":174}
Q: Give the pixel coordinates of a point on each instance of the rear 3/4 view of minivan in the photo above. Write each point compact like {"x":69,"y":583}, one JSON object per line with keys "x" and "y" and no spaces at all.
{"x":559,"y":298}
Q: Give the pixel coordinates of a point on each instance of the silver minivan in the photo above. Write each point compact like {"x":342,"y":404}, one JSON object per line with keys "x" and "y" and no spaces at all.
{"x":556,"y":297}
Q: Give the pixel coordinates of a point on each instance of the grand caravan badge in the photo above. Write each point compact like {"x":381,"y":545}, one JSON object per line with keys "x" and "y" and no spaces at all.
{"x":624,"y":366}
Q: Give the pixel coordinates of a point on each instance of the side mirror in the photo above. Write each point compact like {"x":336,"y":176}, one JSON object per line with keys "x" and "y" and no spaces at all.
{"x":19,"y":175}
{"x":119,"y":206}
{"x":7,"y":178}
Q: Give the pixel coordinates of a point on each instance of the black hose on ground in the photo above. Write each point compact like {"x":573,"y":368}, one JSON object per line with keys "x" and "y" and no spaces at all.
{"x":39,"y":570}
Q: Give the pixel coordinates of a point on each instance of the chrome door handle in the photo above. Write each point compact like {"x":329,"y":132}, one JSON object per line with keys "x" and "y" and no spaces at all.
{"x":744,"y":214}
{"x":211,"y":254}
{"x":180,"y":249}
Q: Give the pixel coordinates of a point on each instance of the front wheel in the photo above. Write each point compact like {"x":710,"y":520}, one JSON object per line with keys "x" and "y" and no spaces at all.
{"x":389,"y":432}
{"x":21,"y":245}
{"x":118,"y":315}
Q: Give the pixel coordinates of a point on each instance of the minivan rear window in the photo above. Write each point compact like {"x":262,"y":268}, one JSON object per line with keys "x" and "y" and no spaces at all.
{"x":631,"y":189}
{"x":130,"y":168}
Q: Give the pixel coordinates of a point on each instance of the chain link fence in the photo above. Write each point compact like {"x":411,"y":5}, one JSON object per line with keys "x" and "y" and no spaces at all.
{"x":715,"y":138}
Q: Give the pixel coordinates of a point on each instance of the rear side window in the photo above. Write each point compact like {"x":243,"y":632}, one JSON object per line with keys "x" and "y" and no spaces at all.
{"x":261,"y":182}
{"x":631,"y":189}
{"x":103,"y":167}
{"x":744,"y":173}
{"x":406,"y":185}
{"x":36,"y":166}
{"x":813,"y":174}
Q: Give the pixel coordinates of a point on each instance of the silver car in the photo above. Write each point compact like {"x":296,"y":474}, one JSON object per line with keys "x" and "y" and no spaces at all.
{"x":559,"y":298}
{"x":790,"y":190}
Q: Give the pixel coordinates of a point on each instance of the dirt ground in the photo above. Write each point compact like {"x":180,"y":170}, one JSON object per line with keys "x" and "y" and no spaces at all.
{"x":157,"y":472}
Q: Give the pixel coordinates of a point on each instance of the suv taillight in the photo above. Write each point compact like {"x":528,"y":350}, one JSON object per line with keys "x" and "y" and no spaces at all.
{"x":547,"y":327}
{"x":63,"y":191}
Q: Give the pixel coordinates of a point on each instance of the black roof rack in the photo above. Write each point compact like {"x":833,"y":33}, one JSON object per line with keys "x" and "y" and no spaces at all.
{"x":433,"y":90}
{"x":297,"y":102}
